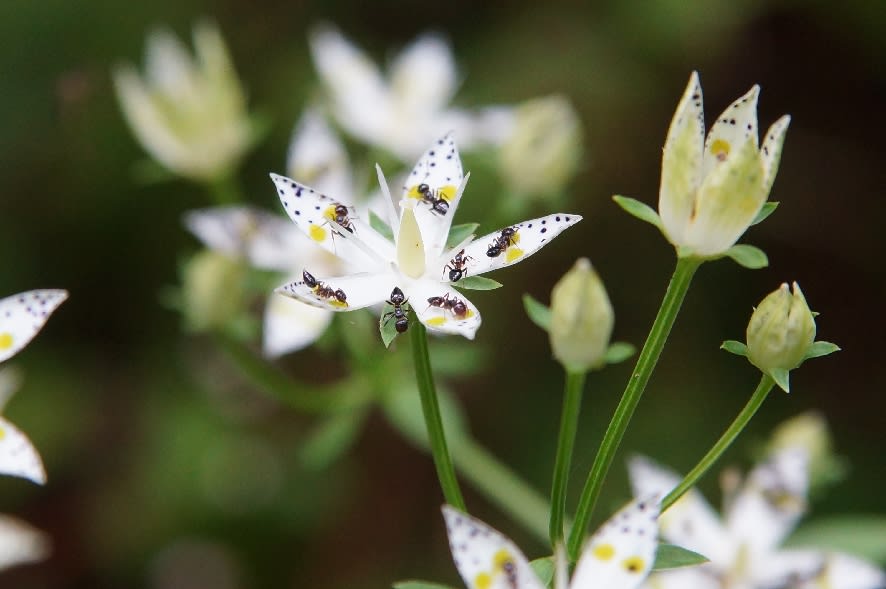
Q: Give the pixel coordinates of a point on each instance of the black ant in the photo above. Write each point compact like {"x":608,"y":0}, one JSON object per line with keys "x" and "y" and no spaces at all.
{"x":502,"y":242}
{"x":323,"y":290}
{"x":438,"y":204}
{"x":397,"y":300}
{"x":454,"y":305}
{"x":341,"y":217}
{"x":456,"y":266}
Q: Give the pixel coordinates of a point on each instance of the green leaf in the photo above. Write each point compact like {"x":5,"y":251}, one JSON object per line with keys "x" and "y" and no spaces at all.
{"x":735,"y":347}
{"x":861,"y":535}
{"x":477,"y":283}
{"x":330,"y":440}
{"x":458,"y":233}
{"x":411,"y":584}
{"x":376,"y":223}
{"x":402,"y":407}
{"x":748,"y":256}
{"x":768,"y":209}
{"x":387,"y":325}
{"x":544,"y":569}
{"x":669,"y":556}
{"x":781,"y":378}
{"x":819,"y":349}
{"x":618,"y":352}
{"x":640,"y":210}
{"x":539,"y":313}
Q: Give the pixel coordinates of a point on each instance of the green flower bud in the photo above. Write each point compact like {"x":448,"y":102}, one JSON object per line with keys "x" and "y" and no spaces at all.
{"x":781,"y":333}
{"x":212,"y":290}
{"x":542,"y":153}
{"x":581,"y":319}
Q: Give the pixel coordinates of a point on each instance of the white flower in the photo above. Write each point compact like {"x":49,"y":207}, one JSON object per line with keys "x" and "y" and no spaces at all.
{"x":712,"y":189}
{"x":408,"y":110}
{"x":21,"y":317}
{"x":190,"y":115}
{"x":20,"y":543}
{"x":418,"y":262}
{"x":618,"y":556}
{"x":743,"y":548}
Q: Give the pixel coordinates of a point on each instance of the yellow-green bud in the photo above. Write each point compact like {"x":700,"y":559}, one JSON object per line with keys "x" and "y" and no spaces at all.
{"x":542,"y":153}
{"x":212,"y":290}
{"x":581,"y":319}
{"x":781,"y":331}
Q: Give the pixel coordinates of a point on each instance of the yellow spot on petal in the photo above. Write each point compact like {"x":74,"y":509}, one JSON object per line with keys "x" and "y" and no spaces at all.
{"x":512,"y":254}
{"x":6,"y":341}
{"x":604,"y":551}
{"x":634,"y":564}
{"x":469,"y":314}
{"x":317,"y":233}
{"x":329,"y":213}
{"x":414,"y":193}
{"x":448,"y":192}
{"x":338,"y":303}
{"x":436,"y":321}
{"x":501,"y":558}
{"x":2,"y":433}
{"x":720,"y":149}
{"x":483,"y":581}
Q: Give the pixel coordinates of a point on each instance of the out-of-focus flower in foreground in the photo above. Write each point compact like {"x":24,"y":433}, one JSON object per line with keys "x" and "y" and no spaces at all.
{"x":189,"y":113}
{"x":618,"y":556}
{"x":403,"y":112}
{"x":743,"y":548}
{"x":20,"y":543}
{"x":409,"y":259}
{"x":712,"y":189}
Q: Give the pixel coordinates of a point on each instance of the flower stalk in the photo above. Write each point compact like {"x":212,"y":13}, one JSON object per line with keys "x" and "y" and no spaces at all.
{"x":565,"y":442}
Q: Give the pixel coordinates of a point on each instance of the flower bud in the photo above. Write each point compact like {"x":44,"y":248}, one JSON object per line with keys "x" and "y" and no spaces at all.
{"x":212,"y":290}
{"x":781,"y":331}
{"x":543,"y":150}
{"x":581,"y":319}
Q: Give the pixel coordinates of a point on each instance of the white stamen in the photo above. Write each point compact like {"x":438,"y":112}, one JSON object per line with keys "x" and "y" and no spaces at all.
{"x":390,"y":207}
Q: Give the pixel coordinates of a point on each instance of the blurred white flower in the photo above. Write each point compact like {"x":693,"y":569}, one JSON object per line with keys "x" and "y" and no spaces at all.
{"x":405,"y":111}
{"x":20,"y":543}
{"x":189,"y":114}
{"x":743,"y":548}
{"x":618,"y":556}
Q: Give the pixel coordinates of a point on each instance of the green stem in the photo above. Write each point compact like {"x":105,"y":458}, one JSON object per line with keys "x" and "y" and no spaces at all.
{"x":501,"y":486}
{"x":568,"y":425}
{"x":433,"y":420}
{"x":349,"y":395}
{"x":646,"y":362}
{"x":740,"y":422}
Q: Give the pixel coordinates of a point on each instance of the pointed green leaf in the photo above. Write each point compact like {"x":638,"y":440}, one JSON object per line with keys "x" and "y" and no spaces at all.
{"x":544,"y":569}
{"x":639,"y":209}
{"x":768,"y":209}
{"x":330,"y":440}
{"x":477,"y":283}
{"x":458,"y":233}
{"x":748,"y":256}
{"x":735,"y":347}
{"x":861,"y":535}
{"x":669,"y":556}
{"x":781,"y":378}
{"x":539,"y":313}
{"x":411,"y":584}
{"x":819,"y":349}
{"x":376,"y":223}
{"x":618,"y":352}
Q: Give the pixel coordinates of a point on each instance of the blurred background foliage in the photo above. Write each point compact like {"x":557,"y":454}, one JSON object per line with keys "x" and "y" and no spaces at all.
{"x":167,"y":470}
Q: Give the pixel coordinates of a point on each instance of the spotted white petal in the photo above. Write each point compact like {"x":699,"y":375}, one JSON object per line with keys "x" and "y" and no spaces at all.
{"x":23,"y":315}
{"x":290,"y":325}
{"x":316,"y":156}
{"x":621,"y":553}
{"x":733,"y":128}
{"x":485,"y":558}
{"x":691,"y":522}
{"x":771,"y":502}
{"x":438,"y":308}
{"x":351,"y":239}
{"x":527,"y":238}
{"x":20,"y":543}
{"x":342,"y":293}
{"x":770,"y":151}
{"x":681,"y":164}
{"x":423,"y":75}
{"x":18,"y":457}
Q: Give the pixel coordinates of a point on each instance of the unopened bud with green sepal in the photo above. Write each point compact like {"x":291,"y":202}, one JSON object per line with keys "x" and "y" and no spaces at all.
{"x":781,"y":335}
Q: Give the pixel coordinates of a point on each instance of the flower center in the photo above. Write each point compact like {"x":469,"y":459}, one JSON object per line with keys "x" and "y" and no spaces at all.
{"x":410,"y":247}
